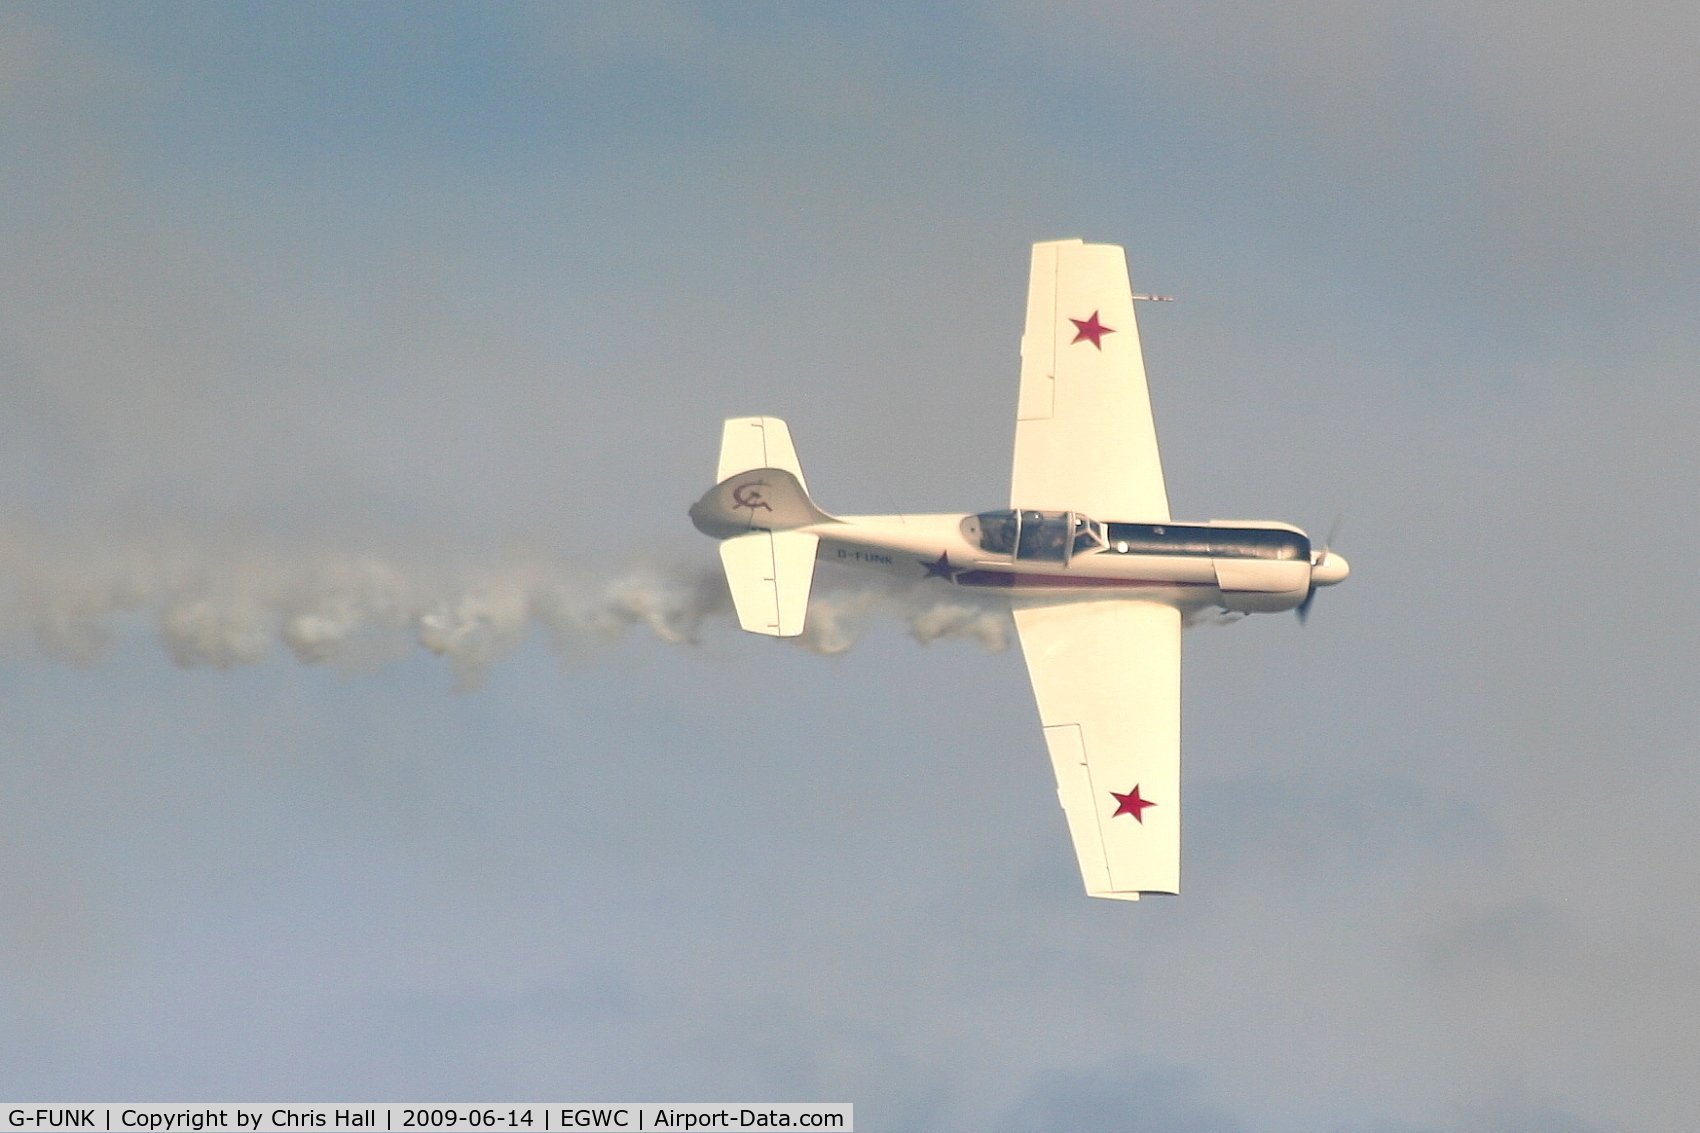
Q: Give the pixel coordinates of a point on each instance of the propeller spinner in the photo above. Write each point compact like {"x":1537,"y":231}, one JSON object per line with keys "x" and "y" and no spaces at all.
{"x":1326,"y":569}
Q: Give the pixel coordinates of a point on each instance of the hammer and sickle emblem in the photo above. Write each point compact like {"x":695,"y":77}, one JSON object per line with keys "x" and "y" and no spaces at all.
{"x":750,"y":495}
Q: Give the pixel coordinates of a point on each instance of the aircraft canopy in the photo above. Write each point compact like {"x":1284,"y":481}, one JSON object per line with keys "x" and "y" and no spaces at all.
{"x":1046,"y":535}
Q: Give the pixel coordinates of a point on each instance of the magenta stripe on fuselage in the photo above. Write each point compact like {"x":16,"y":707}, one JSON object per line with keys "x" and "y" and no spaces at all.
{"x":1012,"y":579}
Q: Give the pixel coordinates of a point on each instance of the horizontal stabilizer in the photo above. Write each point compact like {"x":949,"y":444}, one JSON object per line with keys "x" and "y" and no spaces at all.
{"x":755,"y":508}
{"x":757,"y":442}
{"x":769,"y":574}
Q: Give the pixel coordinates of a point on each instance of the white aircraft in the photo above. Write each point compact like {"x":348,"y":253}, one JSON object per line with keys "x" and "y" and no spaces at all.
{"x":1098,"y":578}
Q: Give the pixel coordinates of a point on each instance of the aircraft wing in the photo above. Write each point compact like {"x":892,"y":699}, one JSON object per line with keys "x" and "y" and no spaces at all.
{"x":1107,"y":675}
{"x":1084,"y":439}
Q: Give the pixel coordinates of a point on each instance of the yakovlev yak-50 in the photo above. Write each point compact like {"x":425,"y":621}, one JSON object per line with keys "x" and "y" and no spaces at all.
{"x":1098,"y":577}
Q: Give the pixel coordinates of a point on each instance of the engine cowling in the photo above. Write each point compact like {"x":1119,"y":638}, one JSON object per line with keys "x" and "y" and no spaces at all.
{"x":1261,"y":586}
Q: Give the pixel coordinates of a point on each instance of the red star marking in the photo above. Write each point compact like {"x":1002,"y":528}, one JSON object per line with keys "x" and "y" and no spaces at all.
{"x":1091,"y":330}
{"x":1131,"y":803}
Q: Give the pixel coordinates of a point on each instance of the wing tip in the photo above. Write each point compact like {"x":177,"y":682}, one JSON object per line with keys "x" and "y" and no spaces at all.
{"x":1131,"y":894}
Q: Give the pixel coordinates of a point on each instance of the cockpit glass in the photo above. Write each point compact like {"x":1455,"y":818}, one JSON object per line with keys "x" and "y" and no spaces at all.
{"x":1046,"y":535}
{"x":1217,"y":542}
{"x":1043,"y":535}
{"x":996,"y":531}
{"x":1058,"y":535}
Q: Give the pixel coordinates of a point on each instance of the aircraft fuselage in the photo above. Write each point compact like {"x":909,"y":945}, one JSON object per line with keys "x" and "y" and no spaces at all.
{"x":1244,"y":566}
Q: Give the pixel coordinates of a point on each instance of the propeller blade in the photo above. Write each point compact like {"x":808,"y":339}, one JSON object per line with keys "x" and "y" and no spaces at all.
{"x":1328,"y":541}
{"x":1318,"y":559}
{"x":1303,"y":608}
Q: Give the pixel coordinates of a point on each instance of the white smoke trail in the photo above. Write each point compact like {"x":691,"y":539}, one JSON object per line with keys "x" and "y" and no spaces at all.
{"x":219,"y":603}
{"x":840,"y":609}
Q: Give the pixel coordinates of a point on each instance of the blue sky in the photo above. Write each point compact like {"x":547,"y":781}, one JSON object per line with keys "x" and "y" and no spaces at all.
{"x":423,"y":317}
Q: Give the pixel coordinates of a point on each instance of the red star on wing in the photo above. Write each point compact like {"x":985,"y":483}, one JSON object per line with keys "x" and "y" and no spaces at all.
{"x":1131,"y":803}
{"x":1091,"y":330}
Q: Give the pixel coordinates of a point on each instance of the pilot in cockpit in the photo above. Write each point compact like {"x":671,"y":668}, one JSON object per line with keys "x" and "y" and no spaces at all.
{"x":1053,"y":536}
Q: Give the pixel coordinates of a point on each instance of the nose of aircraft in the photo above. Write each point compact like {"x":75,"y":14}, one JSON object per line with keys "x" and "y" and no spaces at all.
{"x":1331,"y":569}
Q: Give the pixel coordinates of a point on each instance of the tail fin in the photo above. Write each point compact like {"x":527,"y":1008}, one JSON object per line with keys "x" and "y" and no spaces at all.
{"x":761,"y":483}
{"x":759,"y":501}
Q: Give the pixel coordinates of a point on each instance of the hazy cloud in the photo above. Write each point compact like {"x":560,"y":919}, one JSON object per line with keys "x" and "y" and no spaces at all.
{"x":305,"y":314}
